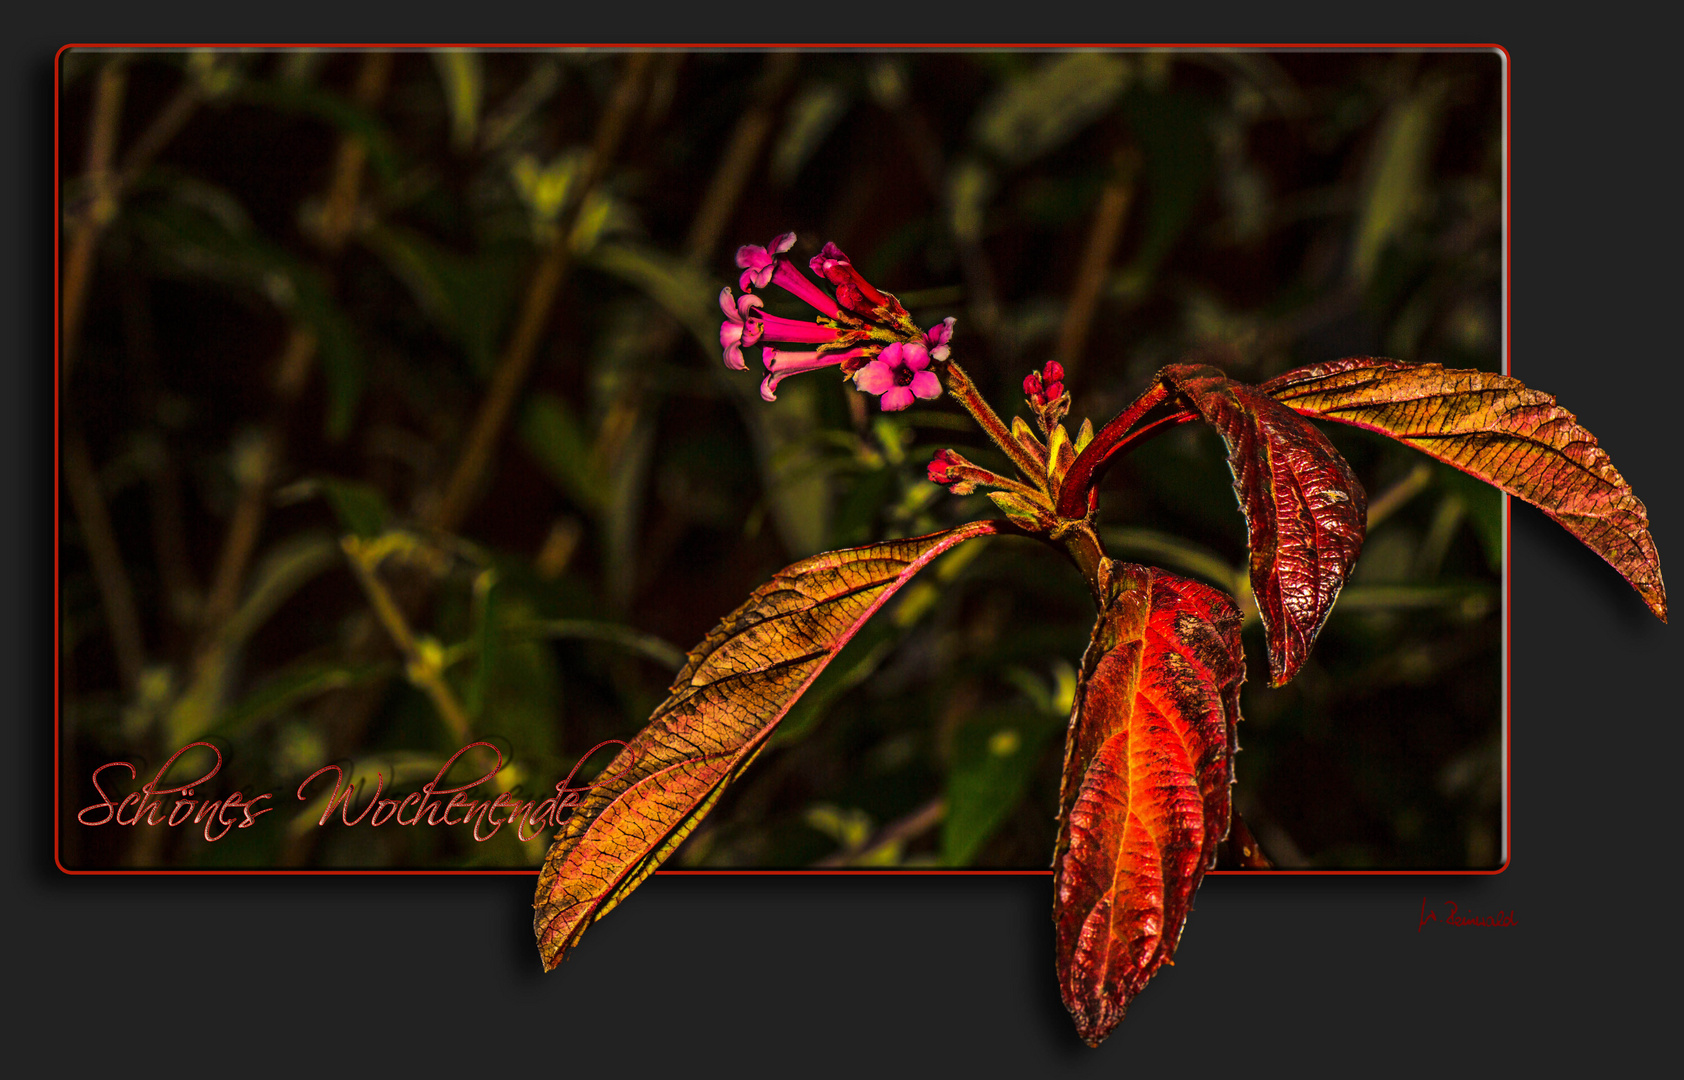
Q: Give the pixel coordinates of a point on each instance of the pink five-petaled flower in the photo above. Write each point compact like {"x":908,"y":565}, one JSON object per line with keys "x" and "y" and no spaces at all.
{"x":861,"y":328}
{"x":900,"y":373}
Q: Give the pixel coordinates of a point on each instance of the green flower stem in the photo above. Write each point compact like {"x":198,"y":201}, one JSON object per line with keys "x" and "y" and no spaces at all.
{"x":424,"y":666}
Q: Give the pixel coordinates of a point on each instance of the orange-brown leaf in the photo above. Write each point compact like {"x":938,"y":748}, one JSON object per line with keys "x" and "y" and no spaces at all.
{"x":1145,"y":798}
{"x":1494,"y":428}
{"x":734,"y":688}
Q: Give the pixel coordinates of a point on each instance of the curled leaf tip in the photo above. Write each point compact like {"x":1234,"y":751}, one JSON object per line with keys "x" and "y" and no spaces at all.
{"x":1496,"y":429}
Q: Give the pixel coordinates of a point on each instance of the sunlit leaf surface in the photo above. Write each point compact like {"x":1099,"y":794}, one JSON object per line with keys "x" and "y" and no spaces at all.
{"x":734,"y":688}
{"x":1492,"y":427}
{"x":1145,"y":795}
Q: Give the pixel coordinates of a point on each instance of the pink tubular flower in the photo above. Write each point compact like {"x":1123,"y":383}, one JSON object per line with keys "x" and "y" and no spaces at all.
{"x":863,"y":330}
{"x":852,"y":291}
{"x":937,"y":337}
{"x":757,"y":261}
{"x":780,"y":364}
{"x":742,"y":327}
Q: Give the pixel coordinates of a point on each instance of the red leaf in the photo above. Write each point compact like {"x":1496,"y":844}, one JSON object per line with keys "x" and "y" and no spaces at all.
{"x":1494,"y":428}
{"x":1304,"y":508}
{"x":1145,"y":799}
{"x":722,"y":708}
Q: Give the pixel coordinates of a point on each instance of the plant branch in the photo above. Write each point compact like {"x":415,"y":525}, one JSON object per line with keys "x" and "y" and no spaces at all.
{"x":965,"y":392}
{"x":510,"y":375}
{"x":1074,"y":499}
{"x":339,"y":213}
{"x":104,"y":189}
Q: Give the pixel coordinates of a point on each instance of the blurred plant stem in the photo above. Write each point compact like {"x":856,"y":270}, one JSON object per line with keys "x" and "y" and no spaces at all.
{"x":116,"y":596}
{"x":625,"y":429}
{"x":736,"y":165}
{"x":167,"y":517}
{"x":351,"y":710}
{"x":1107,"y":228}
{"x":256,"y":461}
{"x":104,"y":187}
{"x":462,"y":488}
{"x":424,"y":662}
{"x":99,"y":207}
{"x":923,"y":146}
{"x":884,"y":848}
{"x":1388,"y":501}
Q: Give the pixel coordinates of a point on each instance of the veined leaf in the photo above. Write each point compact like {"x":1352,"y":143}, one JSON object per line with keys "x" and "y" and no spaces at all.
{"x":1304,"y":508}
{"x":722,"y":708}
{"x":1496,"y":429}
{"x":1145,"y":797}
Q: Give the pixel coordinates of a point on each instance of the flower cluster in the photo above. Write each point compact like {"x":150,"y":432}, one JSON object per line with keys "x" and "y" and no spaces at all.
{"x":863,"y":330}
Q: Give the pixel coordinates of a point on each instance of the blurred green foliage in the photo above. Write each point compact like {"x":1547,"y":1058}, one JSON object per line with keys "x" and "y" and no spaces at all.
{"x":1265,"y":211}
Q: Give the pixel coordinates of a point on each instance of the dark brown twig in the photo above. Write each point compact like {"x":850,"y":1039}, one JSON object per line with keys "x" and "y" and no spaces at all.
{"x":104,"y":188}
{"x":106,"y":185}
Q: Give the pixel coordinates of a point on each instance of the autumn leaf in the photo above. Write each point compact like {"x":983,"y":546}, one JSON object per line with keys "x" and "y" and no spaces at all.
{"x":1492,"y":427}
{"x":1145,"y":799}
{"x":1304,"y":508}
{"x":723,"y":706}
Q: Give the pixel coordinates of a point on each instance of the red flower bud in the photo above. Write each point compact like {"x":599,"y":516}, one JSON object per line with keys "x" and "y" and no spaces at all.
{"x":1053,"y":373}
{"x":938,"y":467}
